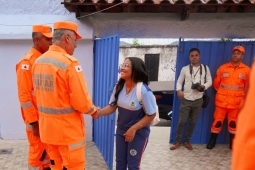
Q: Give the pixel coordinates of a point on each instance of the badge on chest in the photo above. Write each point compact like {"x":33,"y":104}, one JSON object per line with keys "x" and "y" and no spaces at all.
{"x":132,"y":104}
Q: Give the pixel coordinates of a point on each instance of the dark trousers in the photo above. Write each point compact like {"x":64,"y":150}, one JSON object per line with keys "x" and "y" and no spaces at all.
{"x":129,"y":154}
{"x":188,"y":110}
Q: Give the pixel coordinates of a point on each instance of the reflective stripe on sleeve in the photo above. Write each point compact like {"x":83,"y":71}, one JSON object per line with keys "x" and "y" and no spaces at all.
{"x":76,"y":145}
{"x":91,"y":110}
{"x":52,"y":61}
{"x":55,"y":111}
{"x":27,"y":105}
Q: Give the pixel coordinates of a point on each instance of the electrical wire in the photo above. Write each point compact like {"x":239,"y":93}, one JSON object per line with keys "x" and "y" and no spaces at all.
{"x":67,"y":20}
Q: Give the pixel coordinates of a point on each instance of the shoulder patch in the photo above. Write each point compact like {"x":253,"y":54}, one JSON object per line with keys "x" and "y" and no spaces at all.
{"x":70,"y":57}
{"x":25,"y":67}
{"x":78,"y":68}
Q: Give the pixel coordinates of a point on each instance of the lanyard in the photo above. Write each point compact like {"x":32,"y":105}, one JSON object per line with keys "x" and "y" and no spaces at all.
{"x":196,"y":72}
{"x":191,"y":71}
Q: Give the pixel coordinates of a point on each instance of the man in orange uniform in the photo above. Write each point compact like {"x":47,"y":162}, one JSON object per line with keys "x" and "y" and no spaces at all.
{"x":230,"y":82}
{"x":62,"y":98}
{"x":42,"y":38}
{"x":244,"y":142}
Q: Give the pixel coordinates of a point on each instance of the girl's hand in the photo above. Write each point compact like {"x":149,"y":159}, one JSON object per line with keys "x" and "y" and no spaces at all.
{"x":130,"y":134}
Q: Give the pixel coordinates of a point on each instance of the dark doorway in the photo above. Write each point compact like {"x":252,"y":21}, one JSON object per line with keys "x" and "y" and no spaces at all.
{"x":152,"y":64}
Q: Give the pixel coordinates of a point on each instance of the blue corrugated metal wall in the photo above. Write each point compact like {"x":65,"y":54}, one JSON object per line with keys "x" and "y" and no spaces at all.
{"x":106,"y":59}
{"x":213,"y":54}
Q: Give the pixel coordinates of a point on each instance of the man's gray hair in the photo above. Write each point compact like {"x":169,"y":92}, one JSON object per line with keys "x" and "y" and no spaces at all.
{"x":59,"y":33}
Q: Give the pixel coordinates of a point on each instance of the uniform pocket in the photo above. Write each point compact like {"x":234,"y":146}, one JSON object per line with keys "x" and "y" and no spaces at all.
{"x":221,"y":96}
{"x":238,"y":97}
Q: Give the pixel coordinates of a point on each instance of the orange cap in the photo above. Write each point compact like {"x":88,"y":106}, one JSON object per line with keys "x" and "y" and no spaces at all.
{"x":69,"y":26}
{"x":44,"y":29}
{"x":239,"y":48}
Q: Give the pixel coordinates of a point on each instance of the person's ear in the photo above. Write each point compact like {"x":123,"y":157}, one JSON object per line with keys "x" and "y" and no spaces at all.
{"x":36,"y":40}
{"x":67,"y":38}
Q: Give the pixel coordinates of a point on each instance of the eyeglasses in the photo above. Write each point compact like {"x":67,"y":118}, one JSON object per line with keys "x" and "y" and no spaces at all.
{"x":125,"y":65}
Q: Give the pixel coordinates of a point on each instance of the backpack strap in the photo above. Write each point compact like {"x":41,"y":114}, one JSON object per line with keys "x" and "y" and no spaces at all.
{"x":139,"y":91}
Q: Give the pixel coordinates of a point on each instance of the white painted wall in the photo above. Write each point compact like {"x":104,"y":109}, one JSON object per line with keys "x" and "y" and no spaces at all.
{"x":167,"y":58}
{"x":167,"y":25}
{"x":16,"y":20}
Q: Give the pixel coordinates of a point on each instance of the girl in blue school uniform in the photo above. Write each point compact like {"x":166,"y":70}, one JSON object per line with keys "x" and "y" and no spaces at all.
{"x":133,"y":124}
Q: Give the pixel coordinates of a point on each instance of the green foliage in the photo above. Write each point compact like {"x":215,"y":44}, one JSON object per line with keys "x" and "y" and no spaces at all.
{"x":226,"y":39}
{"x":135,"y":42}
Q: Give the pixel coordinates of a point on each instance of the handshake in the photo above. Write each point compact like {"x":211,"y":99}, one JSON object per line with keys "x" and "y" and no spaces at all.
{"x":97,"y":114}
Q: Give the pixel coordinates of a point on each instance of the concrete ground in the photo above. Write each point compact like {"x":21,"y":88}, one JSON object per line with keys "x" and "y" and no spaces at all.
{"x":157,"y":155}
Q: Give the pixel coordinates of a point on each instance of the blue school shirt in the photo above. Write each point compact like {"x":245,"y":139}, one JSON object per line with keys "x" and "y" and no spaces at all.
{"x":131,"y":111}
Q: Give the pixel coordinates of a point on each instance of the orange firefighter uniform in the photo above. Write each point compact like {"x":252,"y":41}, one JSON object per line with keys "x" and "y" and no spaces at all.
{"x":244,"y":142}
{"x":230,"y":83}
{"x":62,"y":98}
{"x":36,"y":157}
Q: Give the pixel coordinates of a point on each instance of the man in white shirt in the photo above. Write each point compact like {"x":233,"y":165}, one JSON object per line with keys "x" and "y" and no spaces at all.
{"x":196,"y":78}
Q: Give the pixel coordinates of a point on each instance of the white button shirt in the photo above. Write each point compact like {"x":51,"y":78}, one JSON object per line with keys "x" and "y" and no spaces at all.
{"x":186,"y":78}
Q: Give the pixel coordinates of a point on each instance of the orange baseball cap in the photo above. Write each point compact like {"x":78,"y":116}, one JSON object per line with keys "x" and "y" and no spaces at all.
{"x":44,"y":29}
{"x":239,"y":48}
{"x":68,"y":25}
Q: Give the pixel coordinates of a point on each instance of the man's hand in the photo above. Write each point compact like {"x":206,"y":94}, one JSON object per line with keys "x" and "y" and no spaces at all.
{"x":202,"y":86}
{"x":97,"y":114}
{"x":35,"y":130}
{"x":180,"y":94}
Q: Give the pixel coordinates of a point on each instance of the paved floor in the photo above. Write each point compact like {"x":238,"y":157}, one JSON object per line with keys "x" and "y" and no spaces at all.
{"x":157,"y":155}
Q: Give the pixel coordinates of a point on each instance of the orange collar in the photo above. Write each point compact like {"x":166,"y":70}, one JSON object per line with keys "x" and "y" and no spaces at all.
{"x":35,"y":52}
{"x":57,"y":48}
{"x":240,"y":65}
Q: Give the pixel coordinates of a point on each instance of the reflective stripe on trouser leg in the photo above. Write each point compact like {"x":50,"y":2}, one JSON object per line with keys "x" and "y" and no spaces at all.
{"x":36,"y":148}
{"x":73,"y":159}
{"x":33,"y":167}
{"x":46,"y":162}
{"x":232,"y":117}
{"x":219,"y":116}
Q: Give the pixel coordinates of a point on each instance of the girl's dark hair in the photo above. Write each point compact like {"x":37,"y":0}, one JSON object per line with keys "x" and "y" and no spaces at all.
{"x":139,"y":74}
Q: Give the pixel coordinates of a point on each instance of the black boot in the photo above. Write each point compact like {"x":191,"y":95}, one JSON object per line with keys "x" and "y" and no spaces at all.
{"x":47,"y":168}
{"x":231,"y":137}
{"x":212,"y":142}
